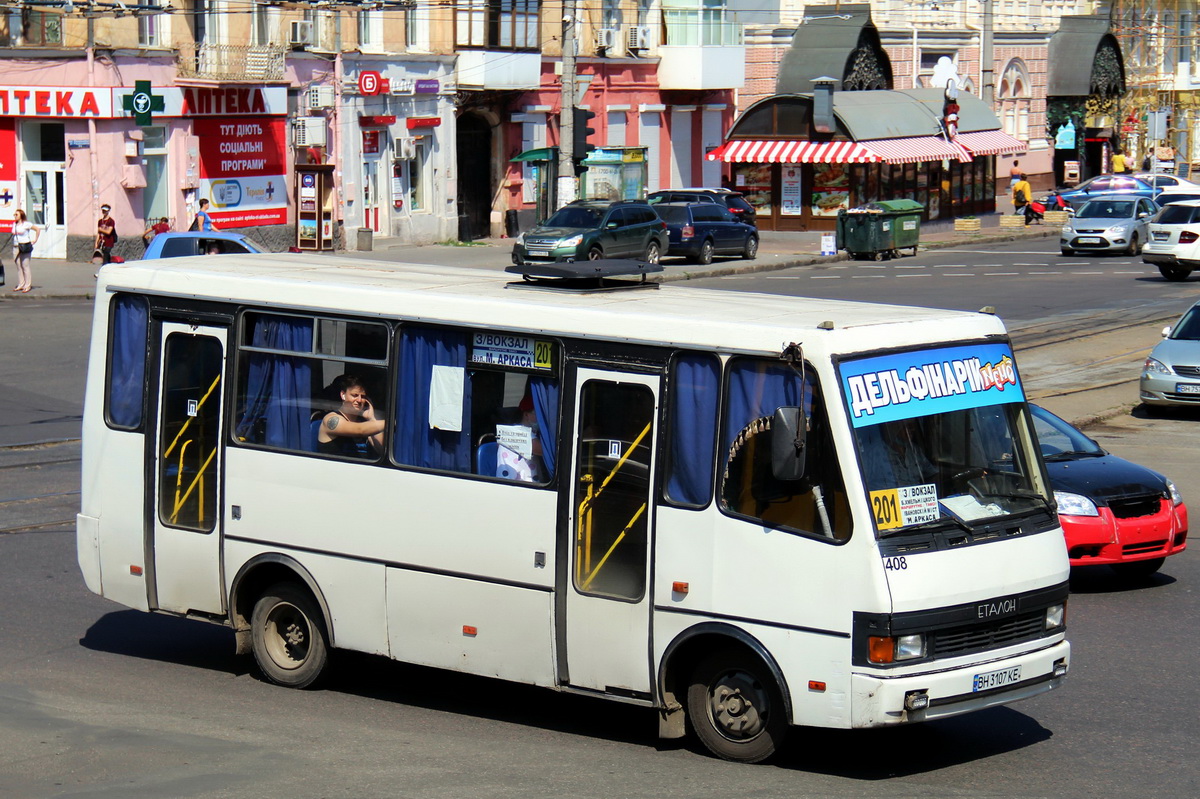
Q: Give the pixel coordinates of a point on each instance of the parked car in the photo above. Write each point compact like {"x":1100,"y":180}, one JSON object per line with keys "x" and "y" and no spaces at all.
{"x":734,"y":201}
{"x":1109,"y":223}
{"x":1174,"y":242}
{"x":595,"y":229}
{"x":1113,"y":511}
{"x":699,"y":231}
{"x":1107,"y":184}
{"x":213,"y":242}
{"x":1161,"y":180}
{"x":1178,"y":194}
{"x":1171,"y":375}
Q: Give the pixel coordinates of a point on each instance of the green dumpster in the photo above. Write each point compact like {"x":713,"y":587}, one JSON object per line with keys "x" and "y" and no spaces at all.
{"x":880,"y":230}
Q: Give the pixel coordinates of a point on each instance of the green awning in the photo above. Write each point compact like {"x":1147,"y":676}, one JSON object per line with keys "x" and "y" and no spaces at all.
{"x":539,"y":154}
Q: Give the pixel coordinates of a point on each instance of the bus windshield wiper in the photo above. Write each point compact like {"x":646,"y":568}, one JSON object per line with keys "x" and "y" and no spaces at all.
{"x":928,"y":525}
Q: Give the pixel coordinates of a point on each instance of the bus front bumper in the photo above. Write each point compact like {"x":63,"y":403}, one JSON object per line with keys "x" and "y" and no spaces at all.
{"x":881,"y":701}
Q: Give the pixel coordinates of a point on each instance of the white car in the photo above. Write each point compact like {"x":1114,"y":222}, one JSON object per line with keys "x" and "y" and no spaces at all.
{"x":1174,"y":241}
{"x":1178,"y":194}
{"x":1161,"y":180}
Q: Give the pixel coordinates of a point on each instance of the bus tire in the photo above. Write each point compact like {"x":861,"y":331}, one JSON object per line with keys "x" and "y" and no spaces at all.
{"x":288,"y":636}
{"x":735,"y":707}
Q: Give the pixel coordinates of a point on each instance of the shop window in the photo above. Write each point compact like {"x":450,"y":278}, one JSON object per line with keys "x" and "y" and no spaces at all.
{"x":817,"y":504}
{"x":288,"y":381}
{"x":417,"y":184}
{"x":477,"y":402}
{"x":497,"y":24}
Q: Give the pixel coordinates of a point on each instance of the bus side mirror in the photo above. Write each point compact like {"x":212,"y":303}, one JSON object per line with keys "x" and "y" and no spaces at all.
{"x":788,"y":444}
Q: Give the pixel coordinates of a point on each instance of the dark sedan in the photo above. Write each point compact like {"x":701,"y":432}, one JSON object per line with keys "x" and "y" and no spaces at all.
{"x":1113,"y":511}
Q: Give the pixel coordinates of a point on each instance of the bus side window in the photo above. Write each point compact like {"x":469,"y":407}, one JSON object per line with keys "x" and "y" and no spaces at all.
{"x":287,"y":370}
{"x":506,"y":421}
{"x":816,"y":504}
{"x":695,"y":387}
{"x":130,"y":323}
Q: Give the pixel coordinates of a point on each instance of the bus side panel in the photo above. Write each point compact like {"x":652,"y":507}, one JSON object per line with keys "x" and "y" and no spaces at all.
{"x":498,"y":531}
{"x":470,"y":626}
{"x":353,"y":591}
{"x":113,"y":495}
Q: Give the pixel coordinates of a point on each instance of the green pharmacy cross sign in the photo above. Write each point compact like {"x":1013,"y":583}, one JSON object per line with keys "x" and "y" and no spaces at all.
{"x":143,"y":103}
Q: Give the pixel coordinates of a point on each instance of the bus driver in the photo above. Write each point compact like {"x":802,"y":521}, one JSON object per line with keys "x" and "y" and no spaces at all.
{"x":347,"y":429}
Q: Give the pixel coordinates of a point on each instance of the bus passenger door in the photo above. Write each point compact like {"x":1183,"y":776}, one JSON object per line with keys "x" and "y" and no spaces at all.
{"x":610,"y":522}
{"x":186,"y":529}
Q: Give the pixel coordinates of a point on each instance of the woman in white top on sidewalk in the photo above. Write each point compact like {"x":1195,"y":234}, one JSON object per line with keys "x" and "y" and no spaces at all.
{"x":24,"y":235}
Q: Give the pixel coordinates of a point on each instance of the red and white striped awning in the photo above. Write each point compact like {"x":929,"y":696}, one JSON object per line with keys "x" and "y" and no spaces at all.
{"x":792,"y":151}
{"x":991,"y":142}
{"x":916,"y":149}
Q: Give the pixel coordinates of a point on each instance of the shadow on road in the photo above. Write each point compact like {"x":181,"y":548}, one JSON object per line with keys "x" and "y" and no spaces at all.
{"x":892,"y":752}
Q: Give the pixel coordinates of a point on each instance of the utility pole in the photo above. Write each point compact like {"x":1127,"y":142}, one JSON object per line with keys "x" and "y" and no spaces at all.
{"x":566,"y":117}
{"x":987,"y":57}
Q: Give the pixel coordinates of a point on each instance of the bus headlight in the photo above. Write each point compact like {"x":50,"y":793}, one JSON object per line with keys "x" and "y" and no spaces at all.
{"x":1056,"y":615}
{"x":895,"y":648}
{"x":1074,"y":504}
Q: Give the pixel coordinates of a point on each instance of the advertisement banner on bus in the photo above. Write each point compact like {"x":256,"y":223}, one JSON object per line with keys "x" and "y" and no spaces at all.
{"x":923,"y":382}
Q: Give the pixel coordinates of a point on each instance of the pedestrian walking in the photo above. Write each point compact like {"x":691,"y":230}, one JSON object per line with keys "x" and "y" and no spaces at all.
{"x":203,"y":222}
{"x":24,"y":235}
{"x":1118,"y":163}
{"x":106,"y":234}
{"x":161,"y":226}
{"x":1014,"y":175}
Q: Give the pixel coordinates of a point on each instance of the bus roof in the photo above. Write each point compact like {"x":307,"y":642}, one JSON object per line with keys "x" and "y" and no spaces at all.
{"x":671,"y":315}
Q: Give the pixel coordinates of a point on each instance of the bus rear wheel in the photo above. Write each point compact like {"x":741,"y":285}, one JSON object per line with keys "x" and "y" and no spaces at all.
{"x":735,"y":707}
{"x":289,"y":636}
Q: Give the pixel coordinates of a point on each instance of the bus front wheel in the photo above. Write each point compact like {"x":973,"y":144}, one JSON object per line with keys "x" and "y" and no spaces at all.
{"x":735,"y":707}
{"x":289,"y":636}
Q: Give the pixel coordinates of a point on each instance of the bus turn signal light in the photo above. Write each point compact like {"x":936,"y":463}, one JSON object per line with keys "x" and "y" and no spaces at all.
{"x":469,"y":630}
{"x":881,"y":650}
{"x":136,"y":571}
{"x":679,"y":587}
{"x":816,"y":685}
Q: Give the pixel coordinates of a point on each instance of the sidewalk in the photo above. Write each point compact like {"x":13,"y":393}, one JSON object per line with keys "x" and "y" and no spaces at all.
{"x":58,"y":279}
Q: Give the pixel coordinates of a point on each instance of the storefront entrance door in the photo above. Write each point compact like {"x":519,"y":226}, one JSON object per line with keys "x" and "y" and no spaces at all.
{"x":44,"y":199}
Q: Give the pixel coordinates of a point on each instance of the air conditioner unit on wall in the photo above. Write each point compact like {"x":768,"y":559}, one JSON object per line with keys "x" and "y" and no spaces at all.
{"x":320,"y":97}
{"x":606,"y":38}
{"x":309,"y":132}
{"x":639,"y":37}
{"x":301,"y":33}
{"x":406,"y":148}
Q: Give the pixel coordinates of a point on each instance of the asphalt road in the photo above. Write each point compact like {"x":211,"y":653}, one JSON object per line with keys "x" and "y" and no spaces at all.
{"x":100,"y":701}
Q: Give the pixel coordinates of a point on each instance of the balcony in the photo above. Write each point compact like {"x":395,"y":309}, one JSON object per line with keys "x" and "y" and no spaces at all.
{"x":498,"y":69}
{"x":232,"y":62}
{"x":701,"y":54}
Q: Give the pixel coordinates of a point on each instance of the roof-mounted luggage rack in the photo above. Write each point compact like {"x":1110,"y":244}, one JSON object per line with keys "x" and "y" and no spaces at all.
{"x":603,"y":275}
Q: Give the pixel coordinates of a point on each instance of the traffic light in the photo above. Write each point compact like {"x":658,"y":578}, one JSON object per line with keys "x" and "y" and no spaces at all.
{"x":582,"y":133}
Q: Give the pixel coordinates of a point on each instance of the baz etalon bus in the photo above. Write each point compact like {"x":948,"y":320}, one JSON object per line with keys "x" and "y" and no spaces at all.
{"x":745,"y":511}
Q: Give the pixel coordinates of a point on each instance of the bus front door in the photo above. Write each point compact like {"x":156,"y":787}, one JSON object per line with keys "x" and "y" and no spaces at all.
{"x":186,"y":531}
{"x":611,"y":518}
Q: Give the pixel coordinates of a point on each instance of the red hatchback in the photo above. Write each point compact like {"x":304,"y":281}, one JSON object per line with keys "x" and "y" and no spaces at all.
{"x":1113,"y":511}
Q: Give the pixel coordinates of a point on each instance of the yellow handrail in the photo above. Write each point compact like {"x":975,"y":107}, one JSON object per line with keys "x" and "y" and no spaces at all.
{"x":583,"y":539}
{"x":179,"y":478}
{"x":199,"y":480}
{"x":182,"y":430}
{"x":600,"y":565}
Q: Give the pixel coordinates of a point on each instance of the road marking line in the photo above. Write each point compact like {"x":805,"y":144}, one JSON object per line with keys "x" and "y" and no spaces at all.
{"x":1138,"y":272}
{"x":1087,"y":273}
{"x":949,"y":266}
{"x":960,"y":274}
{"x":1042,"y":264}
{"x":781,"y":277}
{"x":1047,"y":273}
{"x":1000,"y":274}
{"x":825,"y":277}
{"x":865,"y":277}
{"x":914,"y":276}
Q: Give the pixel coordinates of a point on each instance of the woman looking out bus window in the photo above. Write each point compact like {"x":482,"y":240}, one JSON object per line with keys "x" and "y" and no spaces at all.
{"x":349,"y":429}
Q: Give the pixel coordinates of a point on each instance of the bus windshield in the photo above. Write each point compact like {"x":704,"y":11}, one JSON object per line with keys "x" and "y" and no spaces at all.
{"x":943,"y":438}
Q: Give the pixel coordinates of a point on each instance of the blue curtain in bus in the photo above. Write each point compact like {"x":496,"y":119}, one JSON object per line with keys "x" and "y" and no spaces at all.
{"x":695,"y":390}
{"x":757,"y":388}
{"x":279,"y":387}
{"x":127,"y":371}
{"x":416,"y":443}
{"x":544,"y":391}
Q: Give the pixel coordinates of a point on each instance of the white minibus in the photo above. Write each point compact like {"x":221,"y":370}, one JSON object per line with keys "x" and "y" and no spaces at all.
{"x":743,"y":510}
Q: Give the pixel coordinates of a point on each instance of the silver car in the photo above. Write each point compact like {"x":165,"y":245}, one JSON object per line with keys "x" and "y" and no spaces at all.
{"x":1171,"y":375}
{"x":1109,"y":223}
